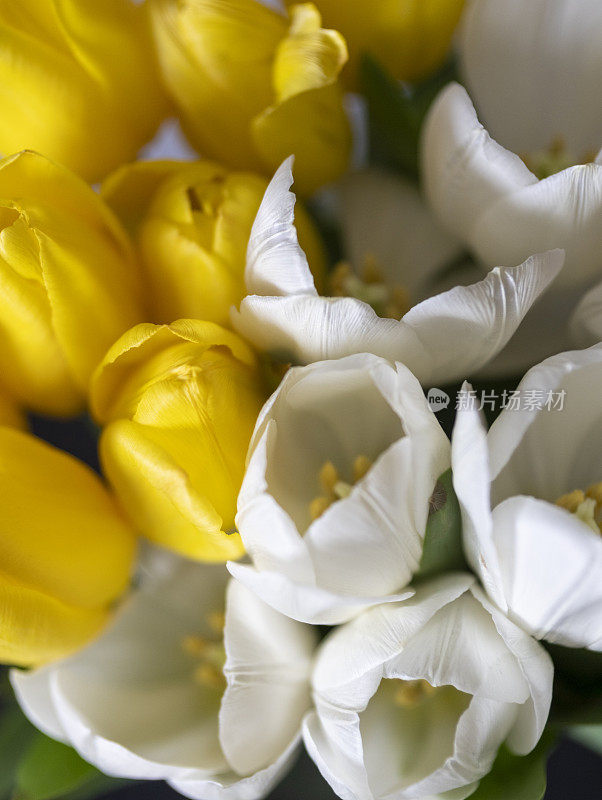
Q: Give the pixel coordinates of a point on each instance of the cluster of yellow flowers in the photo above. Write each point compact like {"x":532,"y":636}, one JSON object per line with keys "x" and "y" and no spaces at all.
{"x":118,"y":300}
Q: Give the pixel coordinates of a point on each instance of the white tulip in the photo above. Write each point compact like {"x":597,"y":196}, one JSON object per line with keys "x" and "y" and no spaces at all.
{"x":531,"y":497}
{"x":586,"y":323}
{"x":531,"y":178}
{"x":334,"y":504}
{"x":169,"y":693}
{"x":414,"y":699}
{"x":440,"y":339}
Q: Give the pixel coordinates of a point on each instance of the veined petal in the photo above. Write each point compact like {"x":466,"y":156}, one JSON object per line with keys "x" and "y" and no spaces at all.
{"x":268,"y":668}
{"x":464,"y":328}
{"x":471,"y":476}
{"x":551,"y":566}
{"x":276,"y":264}
{"x":306,"y":602}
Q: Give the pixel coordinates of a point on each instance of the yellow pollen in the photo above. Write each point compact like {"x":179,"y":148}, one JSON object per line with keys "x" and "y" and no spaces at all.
{"x":333,"y":488}
{"x":585,"y":505}
{"x":410,"y":694}
{"x":370,"y":287}
{"x":209,"y":653}
{"x":554,"y":158}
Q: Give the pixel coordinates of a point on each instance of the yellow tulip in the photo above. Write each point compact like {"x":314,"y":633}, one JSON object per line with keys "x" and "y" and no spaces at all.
{"x":65,"y":551}
{"x":69,"y":284}
{"x":191,"y":222}
{"x":78,"y":81}
{"x":411,"y":38}
{"x":179,"y":403}
{"x":11,"y":413}
{"x":254,"y":86}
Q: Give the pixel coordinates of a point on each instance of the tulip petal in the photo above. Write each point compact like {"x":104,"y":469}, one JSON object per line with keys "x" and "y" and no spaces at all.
{"x":464,"y":328}
{"x":32,"y":690}
{"x":471,"y":477}
{"x":532,"y":70}
{"x":551,"y":565}
{"x":268,"y":668}
{"x":549,"y":450}
{"x":276,"y":265}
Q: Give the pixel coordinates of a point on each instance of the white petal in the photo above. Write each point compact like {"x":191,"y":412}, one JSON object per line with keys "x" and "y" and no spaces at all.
{"x":464,"y":170}
{"x":364,"y":645}
{"x":276,"y":264}
{"x":32,"y":690}
{"x":464,"y":328}
{"x":533,"y":70}
{"x":232,"y":787}
{"x":561,"y":211}
{"x":486,"y":195}
{"x":384,"y":216}
{"x":586,"y":324}
{"x":471,"y":477}
{"x":547,"y":453}
{"x":538,"y":670}
{"x":268,"y":669}
{"x":304,"y":602}
{"x":303,"y":329}
{"x":551,"y":565}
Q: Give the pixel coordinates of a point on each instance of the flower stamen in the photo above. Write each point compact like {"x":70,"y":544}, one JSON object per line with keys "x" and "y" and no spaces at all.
{"x":209,"y":652}
{"x":370,"y":286}
{"x":554,"y":158}
{"x":333,"y":488}
{"x":585,"y":505}
{"x":410,"y":694}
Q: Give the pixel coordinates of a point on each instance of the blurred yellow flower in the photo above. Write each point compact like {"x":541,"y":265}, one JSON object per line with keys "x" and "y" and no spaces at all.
{"x":69,"y":284}
{"x":78,"y":81}
{"x":191,"y":222}
{"x":254,"y":86}
{"x":409,"y":37}
{"x":179,"y":403}
{"x":66,"y":552}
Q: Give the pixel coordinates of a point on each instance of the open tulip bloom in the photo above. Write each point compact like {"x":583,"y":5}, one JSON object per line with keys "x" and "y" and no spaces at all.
{"x":531,"y":499}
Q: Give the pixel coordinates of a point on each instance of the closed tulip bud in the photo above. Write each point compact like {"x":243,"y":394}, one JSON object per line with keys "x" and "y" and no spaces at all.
{"x":69,"y":284}
{"x":78,"y":81}
{"x":191,"y":223}
{"x":65,"y":550}
{"x":179,"y":403}
{"x":253,"y":86}
{"x":410,"y":38}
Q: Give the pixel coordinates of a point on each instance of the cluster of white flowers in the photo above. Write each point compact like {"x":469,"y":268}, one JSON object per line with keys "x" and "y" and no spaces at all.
{"x":211,"y":682}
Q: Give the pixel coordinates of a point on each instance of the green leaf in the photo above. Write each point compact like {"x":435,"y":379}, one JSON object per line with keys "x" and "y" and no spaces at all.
{"x":396,"y":114}
{"x":51,"y":769}
{"x":589,"y":735}
{"x":443,"y":540}
{"x":16,"y":734}
{"x":517,"y":777}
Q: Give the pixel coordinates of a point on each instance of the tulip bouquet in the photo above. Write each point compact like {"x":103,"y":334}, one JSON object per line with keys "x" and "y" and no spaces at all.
{"x":253,"y":251}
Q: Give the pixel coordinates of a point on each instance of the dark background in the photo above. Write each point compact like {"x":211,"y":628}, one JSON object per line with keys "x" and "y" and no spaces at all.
{"x":574,"y":772}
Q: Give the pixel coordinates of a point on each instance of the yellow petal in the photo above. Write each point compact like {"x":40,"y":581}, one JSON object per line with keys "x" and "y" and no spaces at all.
{"x":309,"y":57}
{"x":36,"y":628}
{"x":60,"y":531}
{"x":131,"y":362}
{"x":323,"y":149}
{"x":409,"y":37}
{"x":216,"y":59}
{"x":69,"y":282}
{"x":88,"y":70}
{"x":11,"y":413}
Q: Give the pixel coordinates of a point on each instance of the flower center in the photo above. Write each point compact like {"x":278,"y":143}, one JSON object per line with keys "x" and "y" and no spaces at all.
{"x":209,"y":653}
{"x":370,"y":287}
{"x":586,"y":505}
{"x":554,"y":158}
{"x":410,"y":694}
{"x":333,"y":488}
